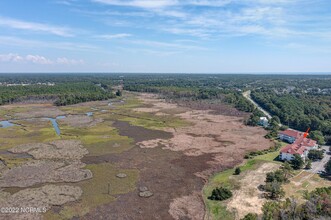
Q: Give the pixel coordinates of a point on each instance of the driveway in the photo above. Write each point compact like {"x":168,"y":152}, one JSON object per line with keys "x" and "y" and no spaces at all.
{"x":318,"y":166}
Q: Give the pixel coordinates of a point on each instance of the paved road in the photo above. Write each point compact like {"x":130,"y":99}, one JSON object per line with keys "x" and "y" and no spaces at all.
{"x":247,"y":95}
{"x":318,"y":166}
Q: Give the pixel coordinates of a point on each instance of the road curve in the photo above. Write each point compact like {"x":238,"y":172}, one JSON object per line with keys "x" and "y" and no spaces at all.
{"x":247,"y":95}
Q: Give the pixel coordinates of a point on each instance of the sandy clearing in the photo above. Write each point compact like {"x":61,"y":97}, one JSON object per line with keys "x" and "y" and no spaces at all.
{"x":249,"y":198}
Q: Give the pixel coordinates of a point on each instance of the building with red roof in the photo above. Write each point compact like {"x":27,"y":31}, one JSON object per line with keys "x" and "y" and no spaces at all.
{"x":301,"y":145}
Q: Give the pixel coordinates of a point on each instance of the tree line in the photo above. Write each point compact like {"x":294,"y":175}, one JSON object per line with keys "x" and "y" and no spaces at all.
{"x":61,"y":94}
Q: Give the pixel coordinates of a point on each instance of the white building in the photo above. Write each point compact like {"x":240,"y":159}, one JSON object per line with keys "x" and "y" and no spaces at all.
{"x":263,"y":121}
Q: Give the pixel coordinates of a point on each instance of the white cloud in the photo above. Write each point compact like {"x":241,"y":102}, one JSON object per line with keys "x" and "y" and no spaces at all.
{"x":66,"y":61}
{"x":157,"y":4}
{"x":11,"y":57}
{"x":147,"y":4}
{"x":38,"y":27}
{"x":212,"y":19}
{"x":113,"y":36}
{"x":37,"y":59}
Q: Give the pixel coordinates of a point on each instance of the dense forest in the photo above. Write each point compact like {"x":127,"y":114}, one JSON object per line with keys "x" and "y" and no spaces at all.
{"x":62,"y":90}
{"x":298,"y":110}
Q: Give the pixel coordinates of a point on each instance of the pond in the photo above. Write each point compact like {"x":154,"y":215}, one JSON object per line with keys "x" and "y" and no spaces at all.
{"x":6,"y":124}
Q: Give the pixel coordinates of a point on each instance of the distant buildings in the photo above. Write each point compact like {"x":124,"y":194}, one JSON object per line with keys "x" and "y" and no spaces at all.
{"x":299,"y":144}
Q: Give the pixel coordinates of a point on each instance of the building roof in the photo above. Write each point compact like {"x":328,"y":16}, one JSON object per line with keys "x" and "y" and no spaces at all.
{"x":292,"y":133}
{"x":294,"y":149}
{"x":307,"y":142}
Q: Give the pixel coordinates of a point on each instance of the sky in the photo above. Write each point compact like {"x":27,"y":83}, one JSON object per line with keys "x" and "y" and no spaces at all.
{"x":165,"y":36}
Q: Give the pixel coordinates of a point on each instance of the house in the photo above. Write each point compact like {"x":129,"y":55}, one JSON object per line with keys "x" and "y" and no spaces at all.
{"x":289,"y":135}
{"x":288,"y":152}
{"x":300,"y":145}
{"x":263,"y":122}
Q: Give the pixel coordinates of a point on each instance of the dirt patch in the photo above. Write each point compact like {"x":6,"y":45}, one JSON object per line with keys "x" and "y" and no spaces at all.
{"x":80,"y":121}
{"x":42,"y":198}
{"x":249,"y":198}
{"x":139,"y":133}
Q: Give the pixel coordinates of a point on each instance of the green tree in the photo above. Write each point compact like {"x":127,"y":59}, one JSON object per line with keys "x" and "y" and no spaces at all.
{"x":220,"y":194}
{"x":278,"y":175}
{"x":328,"y":168}
{"x":308,"y":165}
{"x":274,"y":189}
{"x":317,"y":136}
{"x":237,"y":171}
{"x":287,"y":170}
{"x":297,"y":162}
{"x":270,"y":210}
{"x":315,"y":155}
{"x":118,"y":93}
{"x":253,"y":120}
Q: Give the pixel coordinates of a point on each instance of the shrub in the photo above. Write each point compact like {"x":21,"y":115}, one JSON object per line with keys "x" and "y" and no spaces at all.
{"x":328,"y":168}
{"x":118,"y":93}
{"x":297,"y":162}
{"x":220,"y":194}
{"x":315,"y":155}
{"x":274,"y":189}
{"x":278,"y":175}
{"x":308,"y":165}
{"x":237,"y":171}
